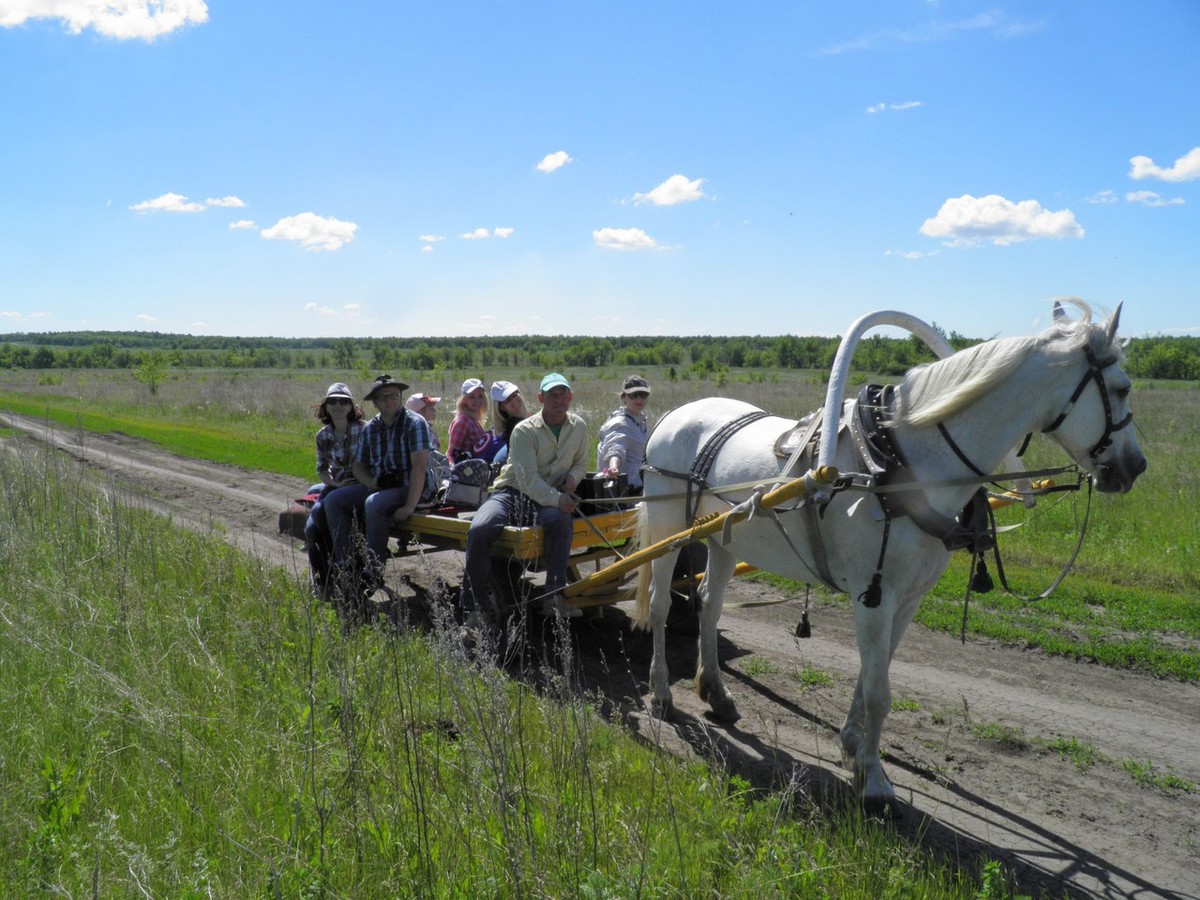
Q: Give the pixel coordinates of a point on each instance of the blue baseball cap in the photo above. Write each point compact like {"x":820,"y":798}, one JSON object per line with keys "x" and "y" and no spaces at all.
{"x":553,"y":380}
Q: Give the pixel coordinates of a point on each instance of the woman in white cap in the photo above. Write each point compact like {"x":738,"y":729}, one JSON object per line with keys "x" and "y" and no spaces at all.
{"x":467,"y":427}
{"x":508,"y":408}
{"x":622,"y":447}
{"x":337,"y":443}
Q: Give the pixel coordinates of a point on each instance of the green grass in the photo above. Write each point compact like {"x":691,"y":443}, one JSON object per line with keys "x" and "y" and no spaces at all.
{"x":182,"y":721}
{"x":1127,"y":603}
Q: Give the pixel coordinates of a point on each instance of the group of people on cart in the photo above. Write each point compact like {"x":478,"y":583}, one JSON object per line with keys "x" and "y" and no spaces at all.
{"x":375,"y":473}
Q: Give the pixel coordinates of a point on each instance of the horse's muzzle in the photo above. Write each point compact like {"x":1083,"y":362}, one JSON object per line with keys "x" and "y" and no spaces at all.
{"x":1118,"y":477}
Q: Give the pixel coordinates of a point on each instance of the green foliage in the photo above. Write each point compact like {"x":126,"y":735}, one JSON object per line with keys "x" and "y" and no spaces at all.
{"x":202,"y":728}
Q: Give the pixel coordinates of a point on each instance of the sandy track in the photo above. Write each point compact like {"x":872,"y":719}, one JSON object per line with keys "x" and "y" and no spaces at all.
{"x":1093,"y":833}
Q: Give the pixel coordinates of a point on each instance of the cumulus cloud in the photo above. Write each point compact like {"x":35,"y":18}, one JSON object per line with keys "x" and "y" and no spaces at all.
{"x":967,"y":220}
{"x":899,"y":107}
{"x":675,"y":190}
{"x":312,"y":231}
{"x":241,"y":225}
{"x":552,"y":162}
{"x":1150,"y":198}
{"x":624,"y":239}
{"x":1186,"y":168}
{"x":122,"y":19}
{"x":147,"y":318}
{"x":481,"y":234}
{"x":227,"y":202}
{"x":1103,"y":197}
{"x":431,"y":238}
{"x":168,"y":203}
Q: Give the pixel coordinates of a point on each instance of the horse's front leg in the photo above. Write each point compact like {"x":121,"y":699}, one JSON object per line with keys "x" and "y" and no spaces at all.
{"x":660,"y":605}
{"x":709,"y":684}
{"x":872,"y":702}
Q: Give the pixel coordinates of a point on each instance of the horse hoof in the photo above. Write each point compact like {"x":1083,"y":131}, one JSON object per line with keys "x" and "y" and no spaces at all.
{"x":662,"y":709}
{"x":882,"y":807}
{"x":723,"y":710}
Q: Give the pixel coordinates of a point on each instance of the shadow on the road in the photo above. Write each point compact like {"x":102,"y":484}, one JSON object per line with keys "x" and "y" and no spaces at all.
{"x":609,"y":663}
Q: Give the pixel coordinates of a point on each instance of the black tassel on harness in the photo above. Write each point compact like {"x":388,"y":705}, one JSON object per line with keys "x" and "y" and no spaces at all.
{"x":873,"y":595}
{"x":981,"y":581}
{"x":803,"y":629}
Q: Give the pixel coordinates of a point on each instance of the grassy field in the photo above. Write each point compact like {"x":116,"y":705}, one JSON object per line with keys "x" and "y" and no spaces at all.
{"x":1129,"y":601}
{"x":180,"y":721}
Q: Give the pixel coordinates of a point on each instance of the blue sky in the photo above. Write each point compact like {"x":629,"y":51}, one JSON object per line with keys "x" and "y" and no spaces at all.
{"x":390,"y":168}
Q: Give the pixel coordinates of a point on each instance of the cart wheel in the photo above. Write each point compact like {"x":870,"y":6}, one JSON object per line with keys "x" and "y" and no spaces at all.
{"x":684,"y":617}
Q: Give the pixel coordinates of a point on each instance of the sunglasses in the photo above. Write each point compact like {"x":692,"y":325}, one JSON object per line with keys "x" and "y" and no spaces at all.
{"x":639,"y":395}
{"x":338,"y":401}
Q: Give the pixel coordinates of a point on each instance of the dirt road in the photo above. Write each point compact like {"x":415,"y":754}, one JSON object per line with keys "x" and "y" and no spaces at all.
{"x":1060,"y":829}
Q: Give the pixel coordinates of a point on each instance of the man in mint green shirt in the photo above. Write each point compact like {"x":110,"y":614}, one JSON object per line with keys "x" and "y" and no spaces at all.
{"x":547,"y":459}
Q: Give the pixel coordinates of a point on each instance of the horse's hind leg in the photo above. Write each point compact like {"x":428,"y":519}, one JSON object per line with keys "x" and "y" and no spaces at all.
{"x":709,"y":685}
{"x":660,"y":606}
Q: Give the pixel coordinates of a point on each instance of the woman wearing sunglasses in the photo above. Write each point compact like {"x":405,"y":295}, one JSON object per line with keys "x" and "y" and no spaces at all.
{"x":337,"y":444}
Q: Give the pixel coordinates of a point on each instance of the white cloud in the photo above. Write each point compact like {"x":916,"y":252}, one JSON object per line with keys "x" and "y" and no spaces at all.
{"x":994,"y":23}
{"x":147,"y":318}
{"x":624,"y":239}
{"x":503,"y":232}
{"x":349,"y":310}
{"x":899,"y":107}
{"x":1186,"y":168}
{"x":313,"y":231}
{"x":241,"y":224}
{"x":478,"y":234}
{"x":912,"y":254}
{"x":431,"y":238}
{"x":121,"y":19}
{"x":168,"y":203}
{"x":1103,"y":197}
{"x":228,"y":202}
{"x":967,"y":220}
{"x":676,"y":189}
{"x":1150,"y":198}
{"x":552,"y":162}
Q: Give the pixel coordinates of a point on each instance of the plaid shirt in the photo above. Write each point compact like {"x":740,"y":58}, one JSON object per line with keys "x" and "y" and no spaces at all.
{"x":388,"y":451}
{"x":335,"y":454}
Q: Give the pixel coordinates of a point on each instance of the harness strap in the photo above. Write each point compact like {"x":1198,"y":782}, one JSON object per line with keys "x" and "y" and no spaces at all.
{"x":697,"y":476}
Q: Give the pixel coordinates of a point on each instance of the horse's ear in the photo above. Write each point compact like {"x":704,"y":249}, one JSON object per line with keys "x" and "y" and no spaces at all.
{"x":1059,"y":312}
{"x":1113,"y":321}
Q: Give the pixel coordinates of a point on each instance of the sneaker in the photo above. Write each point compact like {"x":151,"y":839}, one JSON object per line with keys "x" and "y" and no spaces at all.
{"x":556,"y":605}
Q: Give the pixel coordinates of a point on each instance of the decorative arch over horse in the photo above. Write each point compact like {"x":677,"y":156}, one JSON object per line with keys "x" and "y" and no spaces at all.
{"x":946,"y":420}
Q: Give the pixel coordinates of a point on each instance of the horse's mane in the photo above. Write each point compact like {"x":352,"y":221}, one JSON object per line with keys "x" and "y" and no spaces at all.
{"x":932,"y":392}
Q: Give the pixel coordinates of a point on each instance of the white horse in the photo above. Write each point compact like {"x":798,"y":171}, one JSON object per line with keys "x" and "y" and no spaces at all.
{"x":959,"y":414}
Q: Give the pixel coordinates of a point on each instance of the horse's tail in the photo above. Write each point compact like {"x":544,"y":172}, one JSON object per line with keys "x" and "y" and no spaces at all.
{"x":641,"y":609}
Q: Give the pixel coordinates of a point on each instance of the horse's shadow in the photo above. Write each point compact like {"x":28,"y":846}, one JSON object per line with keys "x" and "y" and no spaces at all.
{"x":605,"y":660}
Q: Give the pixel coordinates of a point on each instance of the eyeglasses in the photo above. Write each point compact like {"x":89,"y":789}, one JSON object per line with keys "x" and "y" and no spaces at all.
{"x":338,"y":401}
{"x":638,"y":395}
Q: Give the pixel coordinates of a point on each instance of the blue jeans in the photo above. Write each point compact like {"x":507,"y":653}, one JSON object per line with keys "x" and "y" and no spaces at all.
{"x":318,"y":544}
{"x":342,"y":506}
{"x":499,"y":510}
{"x":378,"y":510}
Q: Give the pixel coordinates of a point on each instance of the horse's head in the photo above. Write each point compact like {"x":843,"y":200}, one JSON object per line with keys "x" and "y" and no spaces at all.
{"x":1093,"y":426}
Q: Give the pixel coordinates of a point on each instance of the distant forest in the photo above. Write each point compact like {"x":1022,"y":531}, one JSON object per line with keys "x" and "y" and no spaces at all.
{"x":1176,"y":358}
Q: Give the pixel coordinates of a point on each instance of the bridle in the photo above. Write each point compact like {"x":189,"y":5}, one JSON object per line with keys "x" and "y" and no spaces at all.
{"x":1095,"y":373}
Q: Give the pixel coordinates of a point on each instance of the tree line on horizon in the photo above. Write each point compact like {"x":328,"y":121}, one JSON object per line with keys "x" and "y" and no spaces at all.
{"x":1162,"y":357}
